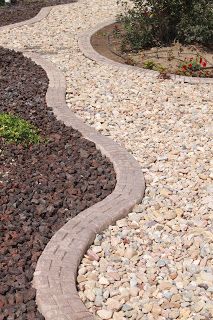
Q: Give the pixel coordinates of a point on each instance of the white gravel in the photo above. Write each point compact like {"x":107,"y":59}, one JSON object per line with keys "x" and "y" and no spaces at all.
{"x":158,"y":262}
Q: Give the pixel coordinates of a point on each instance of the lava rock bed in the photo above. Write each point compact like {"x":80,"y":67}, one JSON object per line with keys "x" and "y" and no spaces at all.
{"x":21,"y":10}
{"x":41,"y":186}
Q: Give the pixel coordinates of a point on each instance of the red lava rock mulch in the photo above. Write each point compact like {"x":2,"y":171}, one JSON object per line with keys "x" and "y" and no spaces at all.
{"x":41,"y":186}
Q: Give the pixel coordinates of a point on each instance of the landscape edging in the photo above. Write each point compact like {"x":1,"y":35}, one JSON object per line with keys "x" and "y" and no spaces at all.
{"x":87,"y":49}
{"x":56,"y":270}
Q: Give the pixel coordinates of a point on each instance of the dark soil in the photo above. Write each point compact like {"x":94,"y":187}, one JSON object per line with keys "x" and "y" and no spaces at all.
{"x":41,"y":186}
{"x":25,"y":9}
{"x":101,"y":43}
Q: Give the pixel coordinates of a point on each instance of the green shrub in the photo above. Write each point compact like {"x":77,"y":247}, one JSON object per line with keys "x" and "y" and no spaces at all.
{"x":151,"y":65}
{"x":159,"y":22}
{"x":14,"y":129}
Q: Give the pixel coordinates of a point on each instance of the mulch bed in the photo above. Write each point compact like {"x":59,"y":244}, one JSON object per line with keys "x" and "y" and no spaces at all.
{"x":25,"y":9}
{"x":41,"y":186}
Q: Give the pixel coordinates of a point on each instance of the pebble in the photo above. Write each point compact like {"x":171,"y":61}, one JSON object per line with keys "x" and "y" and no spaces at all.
{"x":92,"y":255}
{"x":103,"y":281}
{"x":156,"y":310}
{"x":174,"y":314}
{"x":124,"y":292}
{"x":129,"y":253}
{"x":147,"y":307}
{"x":161,"y":263}
{"x":104,"y":314}
{"x":90,"y":295}
{"x":118,"y":315}
{"x":199,"y":306}
{"x":166,"y":127}
{"x":114,"y":304}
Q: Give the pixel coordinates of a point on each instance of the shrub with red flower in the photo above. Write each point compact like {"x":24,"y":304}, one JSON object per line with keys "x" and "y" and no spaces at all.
{"x":194,"y":67}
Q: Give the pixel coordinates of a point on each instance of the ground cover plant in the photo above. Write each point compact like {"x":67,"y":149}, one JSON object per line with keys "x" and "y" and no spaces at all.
{"x":42,"y":184}
{"x":14,"y":129}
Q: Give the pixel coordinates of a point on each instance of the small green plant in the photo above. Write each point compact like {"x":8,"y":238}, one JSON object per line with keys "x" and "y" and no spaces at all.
{"x":194,"y":67}
{"x":14,"y":129}
{"x":151,"y":65}
{"x":116,"y":31}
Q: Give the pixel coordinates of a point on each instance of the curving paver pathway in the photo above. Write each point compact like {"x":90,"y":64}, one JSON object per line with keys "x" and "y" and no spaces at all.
{"x":158,"y":260}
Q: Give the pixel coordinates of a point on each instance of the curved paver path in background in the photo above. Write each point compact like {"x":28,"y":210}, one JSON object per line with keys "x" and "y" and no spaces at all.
{"x":167,"y":127}
{"x":43,"y":13}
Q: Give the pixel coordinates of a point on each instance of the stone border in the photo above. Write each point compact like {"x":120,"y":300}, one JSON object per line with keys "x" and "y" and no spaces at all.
{"x":56,"y":270}
{"x":87,"y":49}
{"x":43,"y":13}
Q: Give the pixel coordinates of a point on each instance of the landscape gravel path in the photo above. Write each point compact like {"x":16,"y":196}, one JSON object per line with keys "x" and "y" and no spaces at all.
{"x":158,"y":262}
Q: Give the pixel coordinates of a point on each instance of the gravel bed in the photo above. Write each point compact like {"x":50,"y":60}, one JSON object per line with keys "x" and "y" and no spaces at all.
{"x":167,"y":272}
{"x":23,"y":10}
{"x":42,"y":186}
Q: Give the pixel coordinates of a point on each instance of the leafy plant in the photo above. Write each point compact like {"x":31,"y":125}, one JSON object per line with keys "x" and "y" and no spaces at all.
{"x":159,"y":22}
{"x":150,"y":64}
{"x":194,"y":67}
{"x":14,"y":129}
{"x":116,"y":31}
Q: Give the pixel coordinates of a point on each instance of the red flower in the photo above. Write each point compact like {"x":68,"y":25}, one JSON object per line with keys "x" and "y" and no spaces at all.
{"x":201,"y":60}
{"x":204,"y":64}
{"x":190,"y":65}
{"x":184,"y":68}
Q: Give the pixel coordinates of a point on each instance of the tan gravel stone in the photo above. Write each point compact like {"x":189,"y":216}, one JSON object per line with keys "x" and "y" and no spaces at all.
{"x":113,"y":304}
{"x":156,"y":310}
{"x":167,"y":127}
{"x":104,"y":314}
{"x":90,"y":295}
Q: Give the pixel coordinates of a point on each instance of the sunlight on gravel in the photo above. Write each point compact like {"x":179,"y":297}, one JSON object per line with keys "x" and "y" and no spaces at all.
{"x":158,"y":262}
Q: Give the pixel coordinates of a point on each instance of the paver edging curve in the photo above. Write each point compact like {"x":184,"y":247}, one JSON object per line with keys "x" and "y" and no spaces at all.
{"x":42,"y":14}
{"x":87,"y":49}
{"x":56,"y":271}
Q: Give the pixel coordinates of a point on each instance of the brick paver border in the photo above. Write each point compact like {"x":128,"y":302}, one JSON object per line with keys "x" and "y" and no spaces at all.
{"x":88,"y":50}
{"x":56,"y":271}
